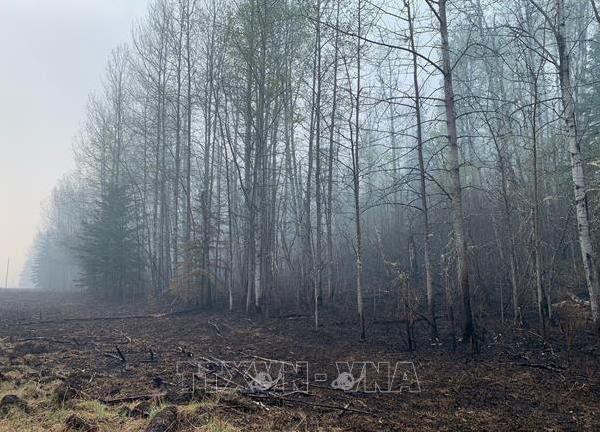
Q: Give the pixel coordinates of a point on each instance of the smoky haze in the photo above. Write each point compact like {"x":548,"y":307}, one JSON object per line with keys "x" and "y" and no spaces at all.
{"x":53,"y":55}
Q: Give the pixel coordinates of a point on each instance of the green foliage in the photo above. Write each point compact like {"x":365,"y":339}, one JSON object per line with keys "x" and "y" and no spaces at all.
{"x":46,"y":261}
{"x":51,"y":264}
{"x":110,"y":253}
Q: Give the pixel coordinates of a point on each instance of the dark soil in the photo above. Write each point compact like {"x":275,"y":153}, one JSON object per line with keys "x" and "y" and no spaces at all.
{"x":517,"y":382}
{"x":9,"y":402}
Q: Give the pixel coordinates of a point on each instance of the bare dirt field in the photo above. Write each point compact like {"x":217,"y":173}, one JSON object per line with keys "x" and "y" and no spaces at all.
{"x":66,"y":365}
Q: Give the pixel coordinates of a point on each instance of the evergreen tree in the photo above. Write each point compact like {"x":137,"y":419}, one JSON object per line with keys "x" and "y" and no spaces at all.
{"x":111,"y":259}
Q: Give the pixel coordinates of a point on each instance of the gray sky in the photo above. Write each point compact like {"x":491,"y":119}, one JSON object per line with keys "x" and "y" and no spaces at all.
{"x":53,"y":53}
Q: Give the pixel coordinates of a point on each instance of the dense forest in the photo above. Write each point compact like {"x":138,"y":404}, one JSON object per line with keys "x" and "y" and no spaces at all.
{"x":414,"y":159}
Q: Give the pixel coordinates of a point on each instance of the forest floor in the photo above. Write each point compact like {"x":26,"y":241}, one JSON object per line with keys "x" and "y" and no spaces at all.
{"x":66,"y":364}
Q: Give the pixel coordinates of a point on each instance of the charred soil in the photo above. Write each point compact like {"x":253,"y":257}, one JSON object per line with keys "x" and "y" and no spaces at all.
{"x":74,"y":367}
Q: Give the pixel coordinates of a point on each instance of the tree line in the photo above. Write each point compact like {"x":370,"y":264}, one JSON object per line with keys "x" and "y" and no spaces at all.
{"x":414,"y":158}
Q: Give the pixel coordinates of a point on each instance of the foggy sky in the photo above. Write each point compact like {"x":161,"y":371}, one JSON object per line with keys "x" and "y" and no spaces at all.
{"x":52,"y":54}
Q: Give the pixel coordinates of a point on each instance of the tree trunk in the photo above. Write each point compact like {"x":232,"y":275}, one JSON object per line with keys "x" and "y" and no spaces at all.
{"x":588,"y":255}
{"x":456,"y":190}
{"x":356,"y":183}
{"x":329,"y":209}
{"x":319,"y":249}
{"x":423,"y":187}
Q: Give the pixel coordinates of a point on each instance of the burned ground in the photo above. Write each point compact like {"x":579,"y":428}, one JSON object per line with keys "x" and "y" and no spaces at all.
{"x":73,"y":367}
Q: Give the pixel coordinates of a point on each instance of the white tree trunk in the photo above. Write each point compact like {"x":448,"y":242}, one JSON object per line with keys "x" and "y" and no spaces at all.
{"x":577,"y":167}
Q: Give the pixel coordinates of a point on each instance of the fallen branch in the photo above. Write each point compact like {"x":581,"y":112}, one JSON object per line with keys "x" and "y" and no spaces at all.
{"x":48,"y":339}
{"x":216,"y":327}
{"x":541,"y":366}
{"x":214,"y":372}
{"x":111,"y":355}
{"x":133,"y":398}
{"x":271,"y":360}
{"x":293,"y":316}
{"x":402,"y":321}
{"x":345,"y":408}
{"x":231,"y":366}
{"x":123,"y":359}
